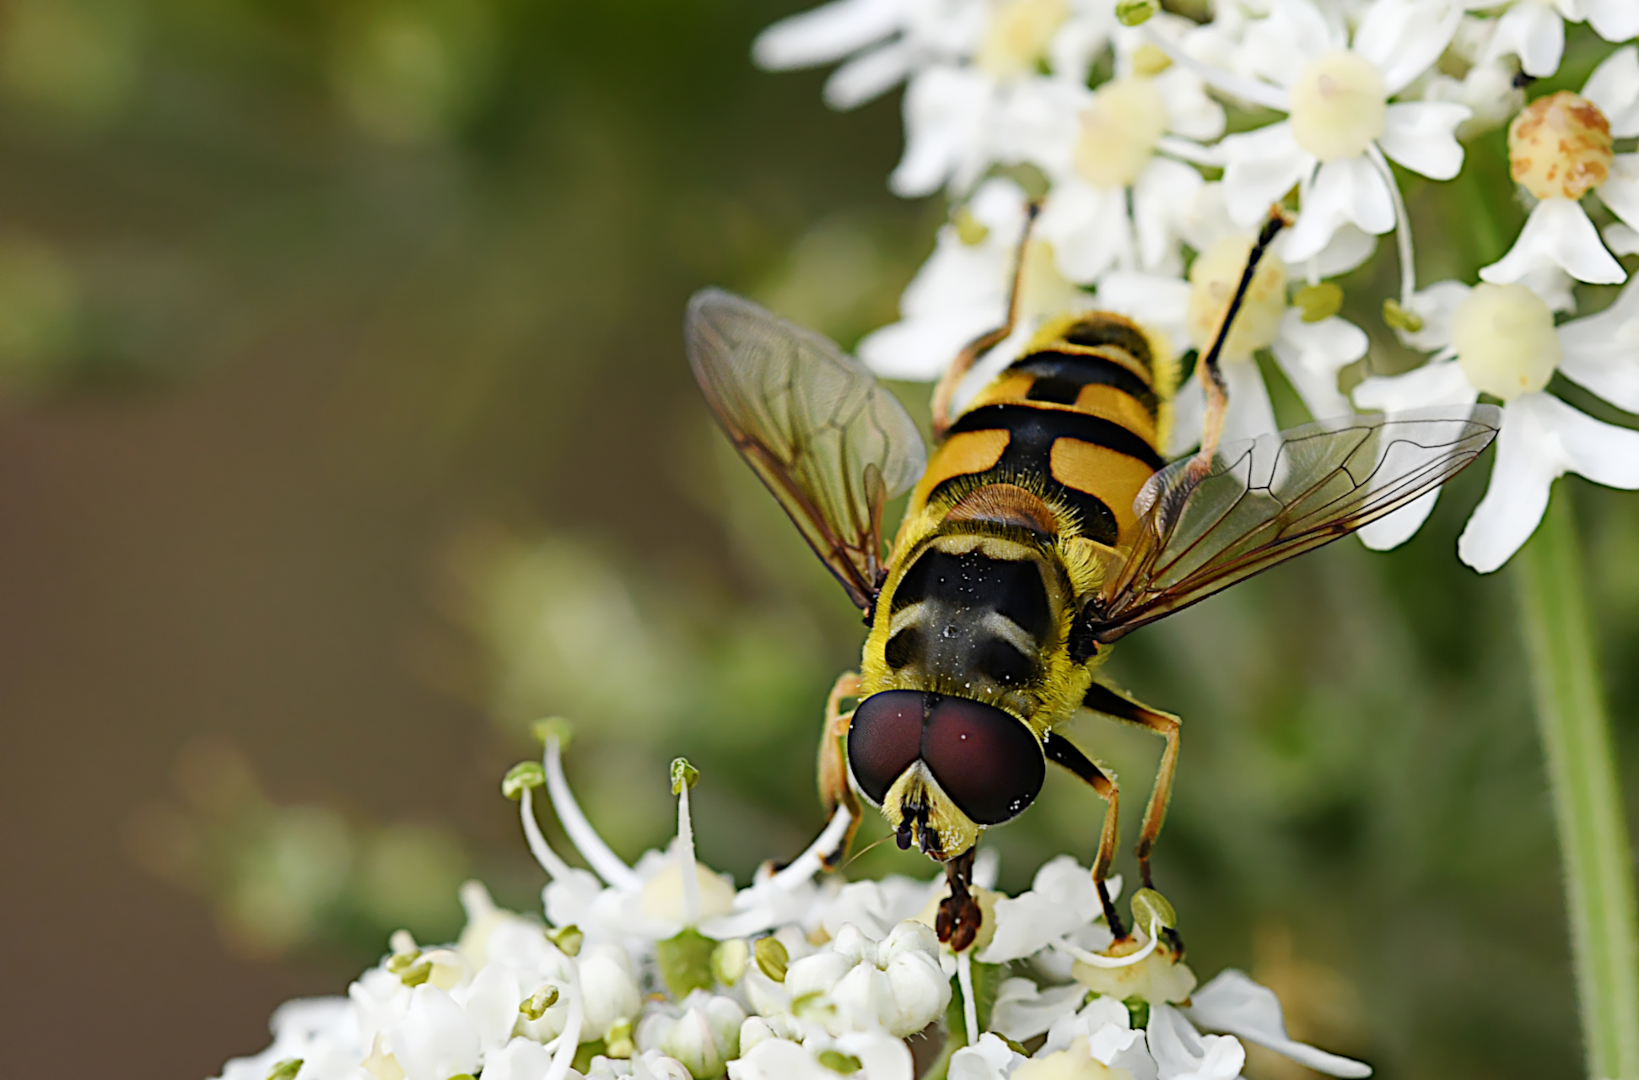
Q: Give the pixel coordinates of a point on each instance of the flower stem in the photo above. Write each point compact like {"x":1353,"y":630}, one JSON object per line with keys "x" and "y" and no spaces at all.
{"x":1593,"y":840}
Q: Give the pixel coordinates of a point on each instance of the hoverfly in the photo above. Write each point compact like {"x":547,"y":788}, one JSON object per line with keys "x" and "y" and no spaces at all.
{"x":1045,"y":526}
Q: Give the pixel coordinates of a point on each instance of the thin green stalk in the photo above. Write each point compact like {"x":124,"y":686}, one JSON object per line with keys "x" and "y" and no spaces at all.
{"x":1593,"y":836}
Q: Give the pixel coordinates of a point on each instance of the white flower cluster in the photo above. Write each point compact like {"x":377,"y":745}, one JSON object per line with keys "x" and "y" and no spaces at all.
{"x":1121,"y":109}
{"x":664,"y":971}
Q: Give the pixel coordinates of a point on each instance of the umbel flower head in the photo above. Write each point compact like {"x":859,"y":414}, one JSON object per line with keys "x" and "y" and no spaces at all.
{"x":666,"y":971}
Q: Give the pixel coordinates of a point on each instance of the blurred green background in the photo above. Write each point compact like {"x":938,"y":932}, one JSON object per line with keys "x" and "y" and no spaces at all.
{"x":347,"y":430}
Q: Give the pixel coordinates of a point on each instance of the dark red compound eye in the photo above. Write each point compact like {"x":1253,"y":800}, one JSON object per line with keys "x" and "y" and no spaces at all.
{"x":885,"y":738}
{"x":987,"y":761}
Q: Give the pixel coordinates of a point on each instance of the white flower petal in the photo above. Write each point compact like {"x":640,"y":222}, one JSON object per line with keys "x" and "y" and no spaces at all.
{"x":947,"y":111}
{"x":1558,"y":233}
{"x":1163,"y":192}
{"x":1439,"y":383}
{"x":520,"y":1059}
{"x":1234,"y":1003}
{"x":991,"y":1059}
{"x":1250,"y":412}
{"x":1311,"y":355}
{"x":435,"y":1040}
{"x":1259,"y":167}
{"x":1405,"y":37}
{"x":870,"y":75}
{"x":1532,"y":31}
{"x":1614,"y":87}
{"x":1613,"y":20}
{"x":1387,"y":533}
{"x":1191,"y":112}
{"x":1620,"y":191}
{"x":1088,"y":228}
{"x":1621,"y":239}
{"x":1435,"y":305}
{"x":1542,"y":439}
{"x":826,"y":33}
{"x":1601,"y":352}
{"x":1346,"y":190}
{"x":1422,"y":136}
{"x":1280,"y":46}
{"x":880,"y":1057}
{"x":1023,"y":1010}
{"x":1348,"y":248}
{"x":1182,"y":1054}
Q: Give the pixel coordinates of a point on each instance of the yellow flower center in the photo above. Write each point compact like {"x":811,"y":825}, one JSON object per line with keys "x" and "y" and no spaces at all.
{"x":1505,"y":340}
{"x":1018,"y":35}
{"x":1212,"y":281}
{"x":1560,"y":146}
{"x":1119,"y":131}
{"x":1338,"y":103}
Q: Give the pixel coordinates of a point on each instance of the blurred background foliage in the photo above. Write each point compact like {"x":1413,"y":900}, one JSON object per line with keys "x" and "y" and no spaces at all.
{"x":348,"y":431}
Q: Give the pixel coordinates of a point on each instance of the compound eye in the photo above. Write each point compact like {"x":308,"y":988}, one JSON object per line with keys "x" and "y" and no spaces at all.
{"x":884,"y":739}
{"x":987,"y":761}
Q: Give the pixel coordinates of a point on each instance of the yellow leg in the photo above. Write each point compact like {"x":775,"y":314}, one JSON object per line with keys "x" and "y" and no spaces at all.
{"x":1060,"y":750}
{"x":1114,"y":704}
{"x":833,"y":765}
{"x":946,"y":388}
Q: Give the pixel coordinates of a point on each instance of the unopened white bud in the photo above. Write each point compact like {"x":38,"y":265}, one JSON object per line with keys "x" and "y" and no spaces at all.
{"x":704,"y":1036}
{"x":608,"y":987}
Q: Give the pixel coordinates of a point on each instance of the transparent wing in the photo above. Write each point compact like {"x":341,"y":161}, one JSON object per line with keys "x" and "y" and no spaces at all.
{"x":830,"y":442}
{"x":1269,"y":499}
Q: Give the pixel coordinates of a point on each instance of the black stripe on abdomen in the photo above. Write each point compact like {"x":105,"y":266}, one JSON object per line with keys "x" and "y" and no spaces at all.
{"x":1094,"y":330}
{"x":1060,"y":377}
{"x":1031,"y":435}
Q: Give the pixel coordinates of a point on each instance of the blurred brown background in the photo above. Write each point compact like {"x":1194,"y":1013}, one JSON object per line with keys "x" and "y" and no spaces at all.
{"x":344,"y":429}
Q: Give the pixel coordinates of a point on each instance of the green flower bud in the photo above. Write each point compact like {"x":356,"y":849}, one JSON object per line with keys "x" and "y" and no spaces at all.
{"x":729,"y":960}
{"x":568,"y":939}
{"x":838,"y":1062}
{"x":285,"y":1070}
{"x":1399,"y":318}
{"x":1136,"y":12}
{"x":772,"y":958}
{"x":534,"y":1007}
{"x":1318,"y":302}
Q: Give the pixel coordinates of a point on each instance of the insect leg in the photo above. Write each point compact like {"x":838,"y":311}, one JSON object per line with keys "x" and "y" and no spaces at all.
{"x":1212,"y":379}
{"x":1059,"y":750}
{"x":946,"y":388}
{"x":833,"y":765}
{"x":1114,"y":704}
{"x":957,"y":923}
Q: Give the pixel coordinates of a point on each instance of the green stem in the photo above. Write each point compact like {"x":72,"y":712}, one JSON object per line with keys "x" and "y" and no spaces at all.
{"x":1593,"y":838}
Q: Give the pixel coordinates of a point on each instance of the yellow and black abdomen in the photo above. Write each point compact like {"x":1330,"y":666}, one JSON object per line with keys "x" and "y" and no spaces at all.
{"x":1079,"y":418}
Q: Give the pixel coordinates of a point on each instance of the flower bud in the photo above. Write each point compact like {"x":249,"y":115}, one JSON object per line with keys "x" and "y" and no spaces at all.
{"x":705,"y":1036}
{"x":609,"y":990}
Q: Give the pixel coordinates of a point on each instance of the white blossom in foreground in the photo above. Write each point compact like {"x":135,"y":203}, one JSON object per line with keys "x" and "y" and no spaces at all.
{"x":783,"y":980}
{"x":1534,"y":30}
{"x":1560,"y":149}
{"x":1501,"y":340}
{"x":1336,"y":91}
{"x":1116,"y":156}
